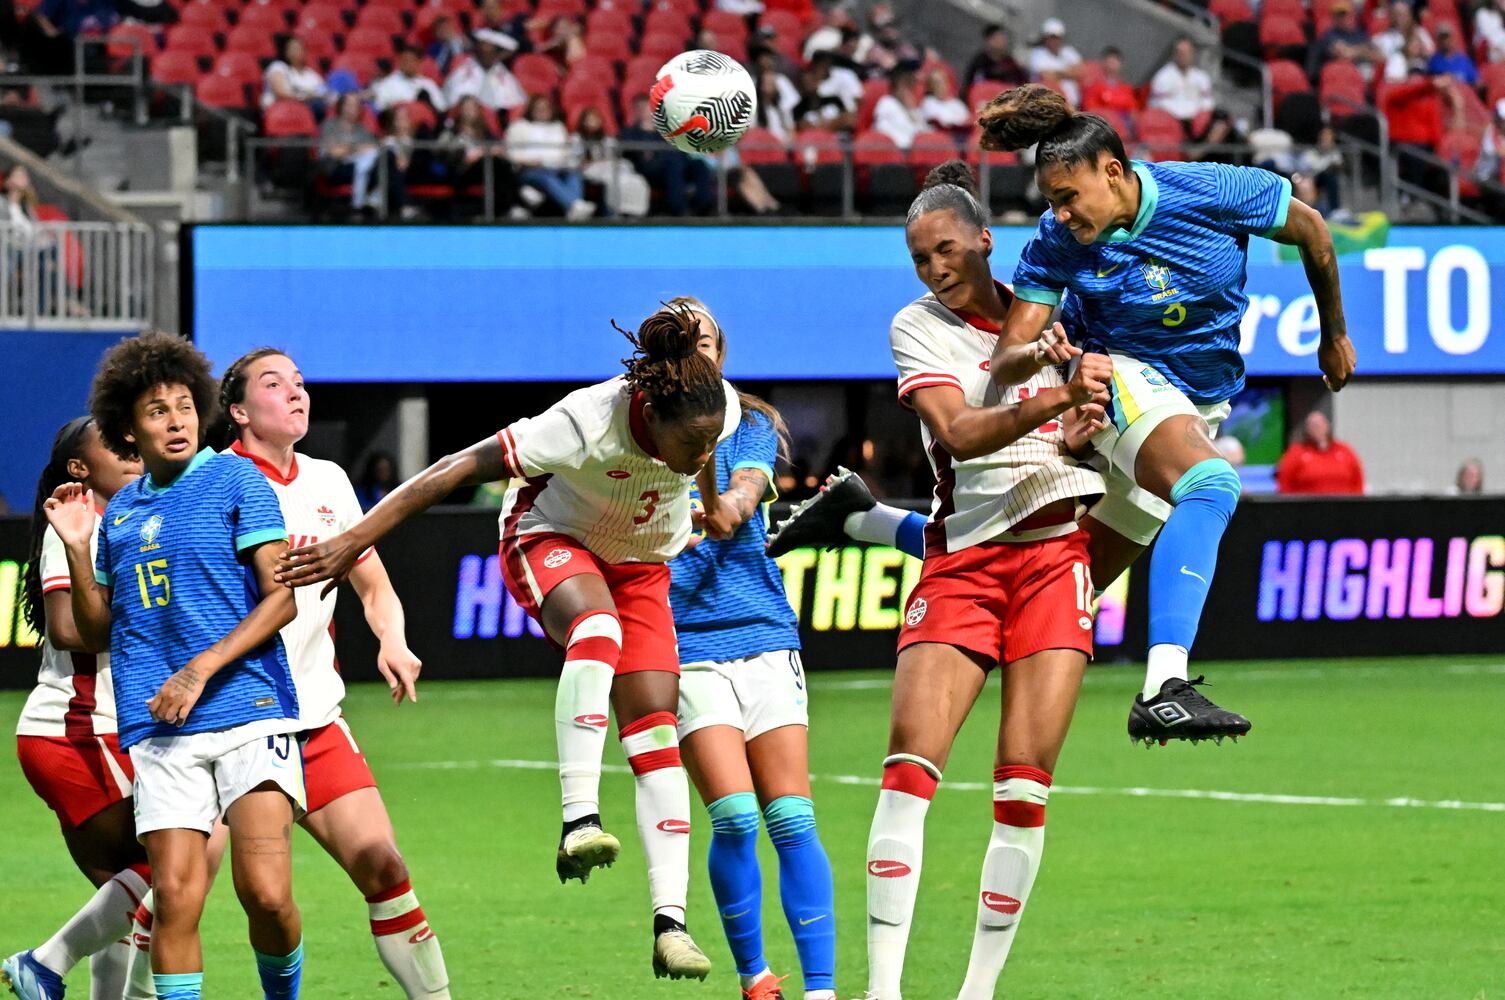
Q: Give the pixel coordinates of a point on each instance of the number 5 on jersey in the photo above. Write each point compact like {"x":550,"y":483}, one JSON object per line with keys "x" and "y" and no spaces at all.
{"x":148,"y":578}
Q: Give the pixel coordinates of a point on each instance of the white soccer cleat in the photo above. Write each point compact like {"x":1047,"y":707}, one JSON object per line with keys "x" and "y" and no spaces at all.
{"x":585,"y":848}
{"x":677,"y":956}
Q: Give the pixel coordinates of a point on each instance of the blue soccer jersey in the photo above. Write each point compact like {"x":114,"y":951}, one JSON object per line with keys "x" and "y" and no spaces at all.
{"x":1170,"y":290}
{"x":177,"y":558}
{"x":728,"y":597}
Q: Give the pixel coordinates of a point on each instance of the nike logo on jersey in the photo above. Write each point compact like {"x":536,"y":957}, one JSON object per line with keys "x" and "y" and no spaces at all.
{"x":1103,"y":273}
{"x":123,"y":518}
{"x":888,"y":869}
{"x":807,"y":923}
{"x":1198,"y":576}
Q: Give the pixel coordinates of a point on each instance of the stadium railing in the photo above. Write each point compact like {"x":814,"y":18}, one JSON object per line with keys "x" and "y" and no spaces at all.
{"x":76,"y":275}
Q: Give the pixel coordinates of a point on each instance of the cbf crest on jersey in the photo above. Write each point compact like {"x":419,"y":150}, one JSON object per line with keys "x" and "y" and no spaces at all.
{"x":1156,"y":275}
{"x":151,"y":529}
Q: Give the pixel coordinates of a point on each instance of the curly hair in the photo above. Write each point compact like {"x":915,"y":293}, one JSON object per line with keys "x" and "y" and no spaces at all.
{"x":138,"y":365}
{"x":665,"y":367}
{"x":951,"y":185}
{"x":1033,"y":114}
{"x":232,"y":385}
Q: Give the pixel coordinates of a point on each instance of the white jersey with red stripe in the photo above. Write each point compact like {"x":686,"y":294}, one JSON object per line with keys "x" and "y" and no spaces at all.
{"x":73,"y":696}
{"x":589,"y":471}
{"x":981,"y":499}
{"x":317,"y":503}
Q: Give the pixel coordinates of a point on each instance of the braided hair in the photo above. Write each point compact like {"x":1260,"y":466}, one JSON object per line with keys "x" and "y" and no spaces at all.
{"x":1033,"y":114}
{"x":666,"y":368}
{"x":66,"y":446}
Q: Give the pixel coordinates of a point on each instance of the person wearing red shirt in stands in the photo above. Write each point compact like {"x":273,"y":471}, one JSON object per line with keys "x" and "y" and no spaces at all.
{"x":1111,"y":92}
{"x":1414,"y":112}
{"x":1319,"y":463}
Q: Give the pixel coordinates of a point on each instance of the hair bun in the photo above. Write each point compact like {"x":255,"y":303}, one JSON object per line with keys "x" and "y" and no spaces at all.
{"x":953,"y":172}
{"x":1022,"y":116}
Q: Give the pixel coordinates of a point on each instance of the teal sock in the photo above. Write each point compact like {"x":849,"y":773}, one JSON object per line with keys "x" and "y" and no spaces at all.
{"x":281,"y":975}
{"x":178,"y":985}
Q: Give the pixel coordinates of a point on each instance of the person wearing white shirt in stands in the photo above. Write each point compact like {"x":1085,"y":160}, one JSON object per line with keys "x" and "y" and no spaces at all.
{"x":291,"y":78}
{"x":484,"y":77}
{"x":1053,"y":62}
{"x":538,"y":144}
{"x":897,"y":113}
{"x":941,"y":108}
{"x":1489,"y":25}
{"x":407,"y":83}
{"x":1182,"y":88}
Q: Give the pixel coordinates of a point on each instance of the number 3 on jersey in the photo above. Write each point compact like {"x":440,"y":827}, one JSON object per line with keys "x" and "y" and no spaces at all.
{"x":649,"y":500}
{"x":148,"y":571}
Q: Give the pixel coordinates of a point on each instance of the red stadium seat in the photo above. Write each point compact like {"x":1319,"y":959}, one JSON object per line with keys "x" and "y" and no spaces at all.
{"x":689,"y":8}
{"x":251,"y":40}
{"x":1287,"y":78}
{"x":1492,"y":78}
{"x":560,"y":8}
{"x":572,"y":113}
{"x":663,"y":47}
{"x":725,"y":24}
{"x":606,"y":22}
{"x":818,"y":147}
{"x":613,"y":47}
{"x":318,"y":44}
{"x":363,"y":65}
{"x":930,"y":150}
{"x":983,"y":91}
{"x":872,"y":148}
{"x":1120,"y":122}
{"x":174,"y":66}
{"x":204,"y":15}
{"x":1160,"y":132}
{"x":1342,"y":88}
{"x":642,"y":67}
{"x":1231,"y":11}
{"x":1277,"y":32}
{"x":780,"y":21}
{"x":536,"y":74}
{"x":191,"y":38}
{"x":584,"y":90}
{"x":215,"y":91}
{"x":667,"y":22}
{"x":1293,"y":9}
{"x":1460,"y":147}
{"x":596,"y":67}
{"x":263,"y":16}
{"x":369,"y":41}
{"x":760,"y":146}
{"x":1476,"y":116}
{"x":872,"y":93}
{"x":125,"y":37}
{"x":322,"y":17}
{"x":285,"y":119}
{"x":384,"y":19}
{"x":241,"y":67}
{"x":422,"y":115}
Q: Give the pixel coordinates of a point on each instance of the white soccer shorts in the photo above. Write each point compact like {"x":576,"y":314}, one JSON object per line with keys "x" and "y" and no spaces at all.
{"x":755,"y":694}
{"x":1143,"y":399}
{"x":187,"y":782}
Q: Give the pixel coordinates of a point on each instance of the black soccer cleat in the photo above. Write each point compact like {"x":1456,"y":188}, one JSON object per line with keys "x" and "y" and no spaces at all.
{"x":820,"y":522}
{"x":1181,"y":712}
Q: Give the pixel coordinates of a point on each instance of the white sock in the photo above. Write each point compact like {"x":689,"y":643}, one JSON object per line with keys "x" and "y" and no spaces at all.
{"x":1008,"y":872}
{"x":581,"y":704}
{"x":1163,"y":663}
{"x":103,"y":920}
{"x":879,"y":525}
{"x":663,"y":809}
{"x":748,"y":982}
{"x":406,"y":943}
{"x":820,"y":995}
{"x":895,"y":846}
{"x":139,"y":984}
{"x":107,"y":970}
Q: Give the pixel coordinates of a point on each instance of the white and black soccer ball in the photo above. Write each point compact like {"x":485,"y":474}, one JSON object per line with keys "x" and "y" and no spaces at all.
{"x":702,"y":101}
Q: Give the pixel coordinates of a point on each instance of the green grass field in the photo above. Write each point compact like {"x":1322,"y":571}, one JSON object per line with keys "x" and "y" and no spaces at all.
{"x":1143,"y":892}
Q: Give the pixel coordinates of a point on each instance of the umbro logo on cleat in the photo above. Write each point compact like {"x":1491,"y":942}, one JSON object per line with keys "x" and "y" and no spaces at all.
{"x":1000,"y":903}
{"x":1170,"y":714}
{"x":888,"y":869}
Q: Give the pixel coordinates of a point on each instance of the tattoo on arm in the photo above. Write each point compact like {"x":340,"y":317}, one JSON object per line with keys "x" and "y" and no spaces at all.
{"x":185,"y":679}
{"x":746,"y":491}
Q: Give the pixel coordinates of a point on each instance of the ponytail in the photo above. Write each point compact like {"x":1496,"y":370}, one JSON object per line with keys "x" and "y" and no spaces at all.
{"x":66,"y":446}
{"x":667,"y":369}
{"x":1033,"y":115}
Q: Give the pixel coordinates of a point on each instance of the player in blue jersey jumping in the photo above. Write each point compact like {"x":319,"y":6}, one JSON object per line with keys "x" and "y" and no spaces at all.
{"x":1154,"y":256}
{"x":182,"y":592}
{"x":743,"y":714}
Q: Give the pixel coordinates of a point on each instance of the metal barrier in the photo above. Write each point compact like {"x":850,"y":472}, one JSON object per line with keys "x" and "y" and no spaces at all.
{"x":76,"y":275}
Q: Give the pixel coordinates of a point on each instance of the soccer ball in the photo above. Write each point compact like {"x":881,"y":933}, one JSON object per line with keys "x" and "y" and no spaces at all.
{"x":702,"y":101}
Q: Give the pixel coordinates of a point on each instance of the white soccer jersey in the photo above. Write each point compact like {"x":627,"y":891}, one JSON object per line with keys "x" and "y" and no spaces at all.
{"x":73,"y":696}
{"x":590,"y":473}
{"x":317,"y":503}
{"x":980,"y":499}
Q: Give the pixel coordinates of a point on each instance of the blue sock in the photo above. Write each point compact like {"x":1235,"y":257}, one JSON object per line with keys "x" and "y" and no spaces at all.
{"x":178,"y":985}
{"x":911,"y":539}
{"x":805,"y":887}
{"x":281,"y":975}
{"x":1186,"y":553}
{"x":736,"y":881}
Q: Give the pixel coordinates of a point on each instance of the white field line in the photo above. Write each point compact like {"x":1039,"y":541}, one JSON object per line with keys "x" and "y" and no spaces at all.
{"x":1118,"y":673}
{"x":977,"y":786}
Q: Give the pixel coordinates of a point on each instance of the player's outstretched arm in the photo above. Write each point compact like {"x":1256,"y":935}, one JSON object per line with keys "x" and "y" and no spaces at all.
{"x":181,"y":691}
{"x":1028,"y":343}
{"x":388,"y":623}
{"x":70,"y":511}
{"x":1306,"y":230}
{"x":334,"y":558}
{"x":968,"y":432}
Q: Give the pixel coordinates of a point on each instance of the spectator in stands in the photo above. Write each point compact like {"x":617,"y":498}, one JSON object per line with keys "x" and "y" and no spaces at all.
{"x":1414,"y":112}
{"x":889,"y":47}
{"x":776,"y":100}
{"x":847,"y":70}
{"x":1111,"y":92}
{"x":837,"y":23}
{"x":291,"y":78}
{"x":1181,"y":88}
{"x":1450,"y":57}
{"x":819,"y":104}
{"x":1056,"y":64}
{"x":406,"y":164}
{"x":1470,"y":479}
{"x":407,"y":83}
{"x":538,"y":144}
{"x":996,"y":61}
{"x":1489,"y":29}
{"x":47,"y":42}
{"x":1223,"y":141}
{"x":941,"y":108}
{"x":1343,"y":39}
{"x":1315,"y":180}
{"x":485,"y":76}
{"x":1319,"y":463}
{"x":448,"y":45}
{"x":470,"y":142}
{"x":31,"y":247}
{"x":742,"y":8}
{"x":377,"y":479}
{"x":897,"y":113}
{"x":686,"y":182}
{"x":566,"y":41}
{"x":624,"y":191}
{"x":348,"y":150}
{"x":1489,"y":169}
{"x":20,"y":201}
{"x":1394,"y":43}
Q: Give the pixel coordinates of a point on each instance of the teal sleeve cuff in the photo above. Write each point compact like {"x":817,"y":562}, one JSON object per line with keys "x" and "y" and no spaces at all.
{"x":1044,"y":296}
{"x":772,"y":493}
{"x":251,"y":539}
{"x":104,"y":579}
{"x":1281,"y":212}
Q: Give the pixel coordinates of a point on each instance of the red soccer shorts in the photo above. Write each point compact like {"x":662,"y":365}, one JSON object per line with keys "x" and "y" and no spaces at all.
{"x":1005,"y":601}
{"x":533,"y":565}
{"x":333,"y":765}
{"x":76,"y":778}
